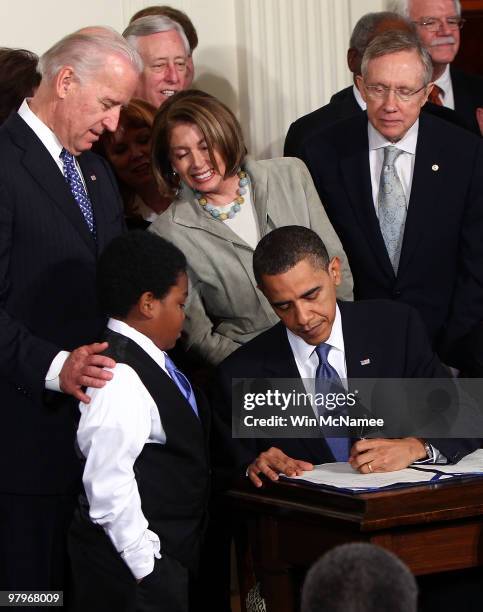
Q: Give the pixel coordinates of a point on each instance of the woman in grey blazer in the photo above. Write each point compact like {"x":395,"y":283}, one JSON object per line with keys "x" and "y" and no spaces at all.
{"x":226,"y":203}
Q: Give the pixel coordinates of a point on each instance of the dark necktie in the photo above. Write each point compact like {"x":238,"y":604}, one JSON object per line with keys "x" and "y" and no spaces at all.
{"x":435,"y":95}
{"x":328,"y":381}
{"x":77,"y":188}
{"x":182,"y":383}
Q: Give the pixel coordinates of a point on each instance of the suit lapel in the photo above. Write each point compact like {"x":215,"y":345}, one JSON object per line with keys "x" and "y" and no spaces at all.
{"x":426,"y":184}
{"x":357,"y":181}
{"x":464,"y":104}
{"x":259,"y":185}
{"x":92,"y":185}
{"x":359,"y":362}
{"x":43,"y":169}
{"x":279,"y":361}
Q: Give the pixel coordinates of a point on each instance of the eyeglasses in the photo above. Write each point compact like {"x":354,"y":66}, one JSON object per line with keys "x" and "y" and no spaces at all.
{"x":378,"y":92}
{"x":433,"y":24}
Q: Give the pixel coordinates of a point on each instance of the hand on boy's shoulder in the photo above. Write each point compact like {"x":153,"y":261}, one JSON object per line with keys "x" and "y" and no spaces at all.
{"x":85,"y":367}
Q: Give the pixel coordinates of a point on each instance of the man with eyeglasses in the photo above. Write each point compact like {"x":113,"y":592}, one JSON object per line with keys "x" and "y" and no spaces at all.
{"x":438,"y":23}
{"x":165,"y":51}
{"x":404,"y":191}
{"x":348,"y":101}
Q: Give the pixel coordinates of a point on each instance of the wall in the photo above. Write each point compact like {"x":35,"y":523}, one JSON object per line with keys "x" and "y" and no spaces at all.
{"x":271,"y":61}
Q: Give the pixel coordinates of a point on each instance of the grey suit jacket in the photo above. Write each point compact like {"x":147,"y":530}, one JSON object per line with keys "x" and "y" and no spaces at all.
{"x":225,"y":308}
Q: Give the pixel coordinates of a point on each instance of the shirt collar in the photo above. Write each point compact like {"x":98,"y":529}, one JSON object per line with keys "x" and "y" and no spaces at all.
{"x":44,"y":133}
{"x":359,"y":99}
{"x":407,"y":143}
{"x":303,"y":351}
{"x":140,"y":339}
{"x":444,"y":81}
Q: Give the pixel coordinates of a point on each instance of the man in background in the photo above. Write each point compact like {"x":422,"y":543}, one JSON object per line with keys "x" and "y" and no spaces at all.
{"x":187,"y":25}
{"x":407,"y":208}
{"x":59,"y":206}
{"x":439,"y":24}
{"x":165,"y":52}
{"x":349,"y":101}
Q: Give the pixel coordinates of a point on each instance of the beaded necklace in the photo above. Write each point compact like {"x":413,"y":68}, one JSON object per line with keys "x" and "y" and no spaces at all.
{"x":235,"y":207}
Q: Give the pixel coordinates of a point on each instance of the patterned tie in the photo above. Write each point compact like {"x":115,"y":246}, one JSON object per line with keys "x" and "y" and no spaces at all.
{"x":182,"y":383}
{"x":328,"y":381}
{"x":77,"y":188}
{"x":392,"y":206}
{"x":435,"y":95}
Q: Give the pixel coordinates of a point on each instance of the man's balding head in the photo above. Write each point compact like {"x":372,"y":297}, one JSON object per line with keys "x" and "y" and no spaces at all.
{"x":367,"y":28}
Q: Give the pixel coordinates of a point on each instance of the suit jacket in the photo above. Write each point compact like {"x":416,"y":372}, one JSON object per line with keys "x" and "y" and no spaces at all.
{"x":225,"y":308}
{"x":343,"y":105}
{"x":47,"y":303}
{"x":441,"y":267}
{"x":391,"y":335}
{"x":468,"y":96}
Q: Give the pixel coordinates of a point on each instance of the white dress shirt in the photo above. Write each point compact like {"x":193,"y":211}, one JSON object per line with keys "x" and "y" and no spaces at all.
{"x":447,"y":95}
{"x":404,"y":163}
{"x":359,"y":99}
{"x":147,"y":213}
{"x":121,"y":418}
{"x":54,"y":147}
{"x":307,"y":359}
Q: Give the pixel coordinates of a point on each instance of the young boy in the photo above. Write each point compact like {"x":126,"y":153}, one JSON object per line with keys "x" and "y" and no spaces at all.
{"x":136,"y":535}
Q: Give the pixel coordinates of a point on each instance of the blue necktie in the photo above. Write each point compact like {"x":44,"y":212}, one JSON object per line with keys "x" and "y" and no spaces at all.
{"x":328,"y":381}
{"x":77,"y":188}
{"x":182,"y":383}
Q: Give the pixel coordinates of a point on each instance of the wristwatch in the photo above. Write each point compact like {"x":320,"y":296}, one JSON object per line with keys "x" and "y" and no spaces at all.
{"x":429,"y":451}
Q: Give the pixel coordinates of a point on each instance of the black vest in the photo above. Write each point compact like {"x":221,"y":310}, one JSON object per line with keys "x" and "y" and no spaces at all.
{"x":172,"y":478}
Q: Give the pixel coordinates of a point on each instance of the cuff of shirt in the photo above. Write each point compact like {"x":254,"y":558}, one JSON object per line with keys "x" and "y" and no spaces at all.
{"x":436,"y":457}
{"x":52,"y":382}
{"x":139,"y":557}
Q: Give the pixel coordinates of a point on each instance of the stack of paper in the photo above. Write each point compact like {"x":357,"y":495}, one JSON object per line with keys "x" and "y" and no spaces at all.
{"x":342,"y":476}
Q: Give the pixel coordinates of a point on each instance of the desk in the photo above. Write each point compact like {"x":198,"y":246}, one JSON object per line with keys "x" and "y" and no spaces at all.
{"x":432,"y":528}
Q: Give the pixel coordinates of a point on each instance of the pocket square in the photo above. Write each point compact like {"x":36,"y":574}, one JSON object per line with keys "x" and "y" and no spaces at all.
{"x":365,"y":361}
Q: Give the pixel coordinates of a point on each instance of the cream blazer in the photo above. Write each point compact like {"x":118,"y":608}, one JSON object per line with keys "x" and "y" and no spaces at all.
{"x":225,"y":308}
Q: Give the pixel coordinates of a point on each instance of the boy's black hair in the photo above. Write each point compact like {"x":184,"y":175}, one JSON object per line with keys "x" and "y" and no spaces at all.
{"x":283,"y":248}
{"x":131,"y":265}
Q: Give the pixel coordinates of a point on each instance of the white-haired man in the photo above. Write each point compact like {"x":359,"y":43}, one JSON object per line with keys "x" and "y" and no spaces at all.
{"x":403,"y":190}
{"x":439,"y":23}
{"x":59,"y":206}
{"x":165,"y":51}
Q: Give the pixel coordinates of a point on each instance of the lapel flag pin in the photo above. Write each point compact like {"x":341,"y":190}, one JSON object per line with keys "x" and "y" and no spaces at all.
{"x":93,"y":177}
{"x":366,"y":361}
{"x":435,"y":167}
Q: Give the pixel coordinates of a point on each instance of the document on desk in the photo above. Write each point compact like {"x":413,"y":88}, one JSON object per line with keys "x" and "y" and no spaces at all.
{"x":341,"y":476}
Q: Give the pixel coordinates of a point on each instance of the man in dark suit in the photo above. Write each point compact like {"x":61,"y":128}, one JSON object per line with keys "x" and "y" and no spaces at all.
{"x":349,"y":102}
{"x":59,"y":207}
{"x":410,"y":227}
{"x":439,"y":23}
{"x":373,"y":339}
